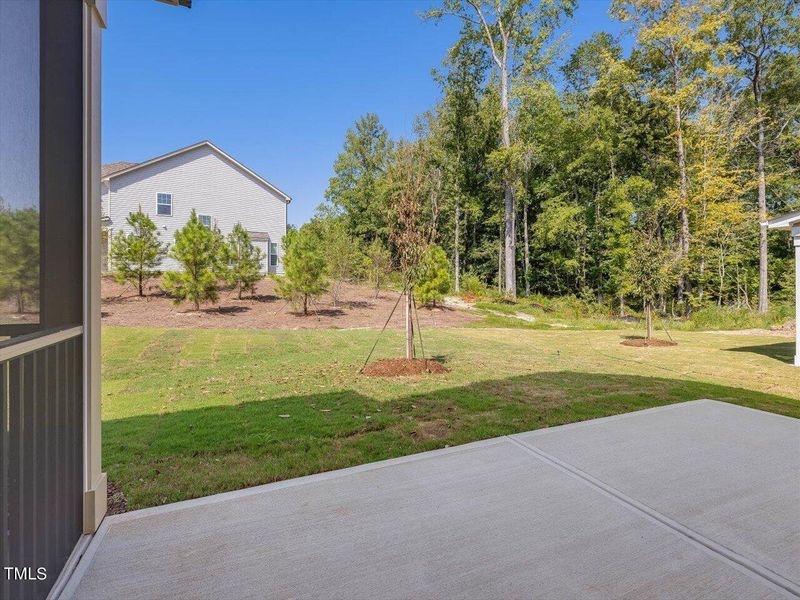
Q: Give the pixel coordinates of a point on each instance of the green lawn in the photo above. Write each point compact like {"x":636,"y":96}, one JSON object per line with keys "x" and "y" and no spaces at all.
{"x":194,"y":412}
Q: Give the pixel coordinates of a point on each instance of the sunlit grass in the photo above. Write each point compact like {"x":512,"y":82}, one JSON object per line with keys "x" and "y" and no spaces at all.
{"x":193,"y":412}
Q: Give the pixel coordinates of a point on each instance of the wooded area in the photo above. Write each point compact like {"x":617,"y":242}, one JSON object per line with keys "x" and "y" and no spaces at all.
{"x":544,"y":171}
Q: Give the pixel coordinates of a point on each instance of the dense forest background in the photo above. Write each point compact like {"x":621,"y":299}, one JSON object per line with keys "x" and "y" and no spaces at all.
{"x":545,"y":172}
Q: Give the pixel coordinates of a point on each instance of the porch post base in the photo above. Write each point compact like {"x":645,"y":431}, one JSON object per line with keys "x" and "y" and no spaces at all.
{"x":95,"y":501}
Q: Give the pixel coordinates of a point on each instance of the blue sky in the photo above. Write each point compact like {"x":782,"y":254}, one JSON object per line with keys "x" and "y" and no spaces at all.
{"x":274,"y":84}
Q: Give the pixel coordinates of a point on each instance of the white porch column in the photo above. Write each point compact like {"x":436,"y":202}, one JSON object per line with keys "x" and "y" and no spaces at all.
{"x":796,"y":237}
{"x":94,"y":496}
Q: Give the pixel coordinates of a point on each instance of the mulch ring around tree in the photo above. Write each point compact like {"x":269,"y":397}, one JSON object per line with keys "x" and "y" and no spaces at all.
{"x":398,"y":367}
{"x":117,"y":502}
{"x":643,"y":343}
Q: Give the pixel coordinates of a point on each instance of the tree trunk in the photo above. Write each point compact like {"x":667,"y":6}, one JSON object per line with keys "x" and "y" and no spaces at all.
{"x":763,"y":281}
{"x":240,"y":291}
{"x":305,"y":304}
{"x":648,"y":319}
{"x":500,"y":269}
{"x":141,"y":284}
{"x":456,"y":258}
{"x":622,"y":305}
{"x":683,"y":190}
{"x":508,"y":190}
{"x":527,"y":250}
{"x":409,"y":327}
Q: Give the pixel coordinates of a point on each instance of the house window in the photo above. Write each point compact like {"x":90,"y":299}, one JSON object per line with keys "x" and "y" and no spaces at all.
{"x":164,"y":204}
{"x":205,"y":220}
{"x":273,"y":254}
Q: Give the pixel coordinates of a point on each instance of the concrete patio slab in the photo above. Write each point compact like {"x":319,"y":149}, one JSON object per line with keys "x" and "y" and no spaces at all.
{"x":730,"y":473}
{"x":495,"y":519}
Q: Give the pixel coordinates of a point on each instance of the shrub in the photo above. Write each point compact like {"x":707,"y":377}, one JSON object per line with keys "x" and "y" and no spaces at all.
{"x":471,"y":285}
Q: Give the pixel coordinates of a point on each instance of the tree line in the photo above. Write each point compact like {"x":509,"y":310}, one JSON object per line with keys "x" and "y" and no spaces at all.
{"x":587,"y":174}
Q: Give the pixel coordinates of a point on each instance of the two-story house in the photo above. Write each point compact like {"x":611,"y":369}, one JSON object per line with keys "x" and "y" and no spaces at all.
{"x":201,"y":177}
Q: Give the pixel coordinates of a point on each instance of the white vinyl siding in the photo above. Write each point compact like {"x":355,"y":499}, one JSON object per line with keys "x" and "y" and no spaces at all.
{"x":204,"y":180}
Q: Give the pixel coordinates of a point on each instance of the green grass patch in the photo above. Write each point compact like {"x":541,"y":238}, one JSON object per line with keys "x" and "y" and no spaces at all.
{"x":194,"y":412}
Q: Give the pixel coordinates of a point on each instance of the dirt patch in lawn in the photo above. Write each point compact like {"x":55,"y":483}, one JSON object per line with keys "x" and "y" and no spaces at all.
{"x":399,"y":367}
{"x":357,"y":308}
{"x":431,"y":430}
{"x":117,"y":502}
{"x":643,"y":343}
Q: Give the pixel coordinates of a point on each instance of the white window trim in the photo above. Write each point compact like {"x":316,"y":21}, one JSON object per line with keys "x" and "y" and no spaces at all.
{"x":160,"y":214}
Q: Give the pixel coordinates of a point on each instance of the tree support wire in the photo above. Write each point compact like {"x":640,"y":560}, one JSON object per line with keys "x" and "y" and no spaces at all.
{"x":405,"y":289}
{"x":419,"y":329}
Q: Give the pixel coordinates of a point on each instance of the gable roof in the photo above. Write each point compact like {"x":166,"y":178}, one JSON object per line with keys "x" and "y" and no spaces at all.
{"x":111,"y":168}
{"x":134,"y":166}
{"x":785,"y":221}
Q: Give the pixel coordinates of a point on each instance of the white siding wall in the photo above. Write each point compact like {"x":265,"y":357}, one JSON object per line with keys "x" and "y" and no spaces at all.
{"x":206,"y":181}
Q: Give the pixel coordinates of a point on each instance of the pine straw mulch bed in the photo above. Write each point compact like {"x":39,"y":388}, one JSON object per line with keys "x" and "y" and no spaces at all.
{"x":117,"y":502}
{"x":643,"y":343}
{"x":399,"y":367}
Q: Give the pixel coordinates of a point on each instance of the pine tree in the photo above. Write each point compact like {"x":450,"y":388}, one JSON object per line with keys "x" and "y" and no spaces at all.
{"x":136,"y":256}
{"x":304,"y":267}
{"x":242,"y":261}
{"x":433,"y":281}
{"x":196,"y":248}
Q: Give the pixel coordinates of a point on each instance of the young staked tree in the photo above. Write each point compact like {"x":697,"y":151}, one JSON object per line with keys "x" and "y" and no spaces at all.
{"x":242,"y":261}
{"x":761,"y":33}
{"x":136,"y":256}
{"x":378,"y":265}
{"x":197,"y":250}
{"x":649,"y":270}
{"x":517,"y":35}
{"x":408,"y":186}
{"x":678,"y":40}
{"x":304,"y":268}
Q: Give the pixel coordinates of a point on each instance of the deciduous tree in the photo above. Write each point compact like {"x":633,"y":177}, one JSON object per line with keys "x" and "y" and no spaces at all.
{"x":356,"y":186}
{"x":762,"y":35}
{"x":517,"y":34}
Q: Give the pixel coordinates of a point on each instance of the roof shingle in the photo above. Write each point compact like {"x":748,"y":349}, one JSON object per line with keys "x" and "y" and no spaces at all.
{"x":110,"y":168}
